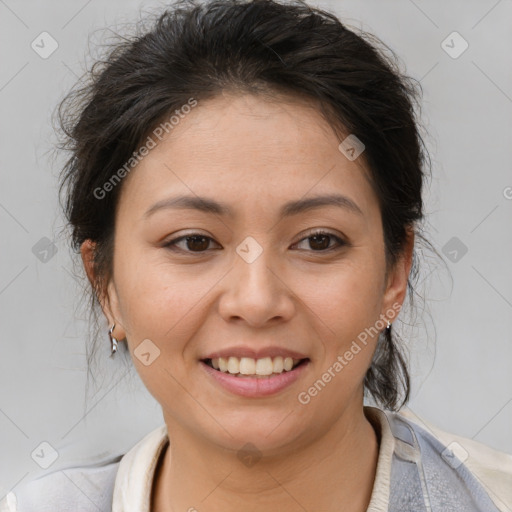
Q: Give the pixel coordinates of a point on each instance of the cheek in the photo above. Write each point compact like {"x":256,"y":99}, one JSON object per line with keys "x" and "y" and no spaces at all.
{"x":347,"y":307}
{"x":166,"y":303}
{"x":348,"y":298}
{"x":155,"y":298}
{"x":161,"y":304}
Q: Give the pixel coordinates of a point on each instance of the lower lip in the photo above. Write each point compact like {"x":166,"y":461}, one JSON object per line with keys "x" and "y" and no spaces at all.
{"x":253,"y":387}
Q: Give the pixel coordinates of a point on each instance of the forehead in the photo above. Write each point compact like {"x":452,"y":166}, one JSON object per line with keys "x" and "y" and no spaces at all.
{"x":248,"y":150}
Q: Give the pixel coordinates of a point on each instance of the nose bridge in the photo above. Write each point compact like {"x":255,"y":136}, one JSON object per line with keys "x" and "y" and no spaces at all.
{"x":256,"y":292}
{"x":252,"y":267}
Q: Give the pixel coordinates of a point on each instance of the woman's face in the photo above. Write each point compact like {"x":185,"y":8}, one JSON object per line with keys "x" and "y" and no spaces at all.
{"x":259,"y":283}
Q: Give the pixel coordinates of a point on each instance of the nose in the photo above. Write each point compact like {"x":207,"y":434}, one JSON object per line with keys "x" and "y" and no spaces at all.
{"x":256,"y":294}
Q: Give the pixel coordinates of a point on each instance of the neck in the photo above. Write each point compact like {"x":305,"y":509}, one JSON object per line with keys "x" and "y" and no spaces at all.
{"x":338,"y":467}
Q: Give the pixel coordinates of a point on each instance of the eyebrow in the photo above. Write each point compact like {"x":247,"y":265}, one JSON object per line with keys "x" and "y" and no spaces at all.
{"x":207,"y":205}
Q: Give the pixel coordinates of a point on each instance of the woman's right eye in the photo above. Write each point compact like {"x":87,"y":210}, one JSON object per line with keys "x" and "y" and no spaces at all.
{"x":195,"y":242}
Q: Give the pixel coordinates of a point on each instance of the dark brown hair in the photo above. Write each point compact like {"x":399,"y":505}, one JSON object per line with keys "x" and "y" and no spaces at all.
{"x":196,"y":50}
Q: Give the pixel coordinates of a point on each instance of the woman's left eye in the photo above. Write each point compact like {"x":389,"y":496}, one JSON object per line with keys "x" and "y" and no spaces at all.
{"x":319,"y":241}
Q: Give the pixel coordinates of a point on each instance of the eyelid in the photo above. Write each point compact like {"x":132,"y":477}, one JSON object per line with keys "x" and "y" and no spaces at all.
{"x":320,"y":231}
{"x":341,"y":240}
{"x":171,"y":244}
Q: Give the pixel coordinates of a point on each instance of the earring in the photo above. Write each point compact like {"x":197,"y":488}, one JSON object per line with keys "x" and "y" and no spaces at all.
{"x":388,"y":327}
{"x":113,"y":341}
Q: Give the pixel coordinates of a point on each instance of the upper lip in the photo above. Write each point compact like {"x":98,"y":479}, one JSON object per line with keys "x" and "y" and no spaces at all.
{"x":244,"y":351}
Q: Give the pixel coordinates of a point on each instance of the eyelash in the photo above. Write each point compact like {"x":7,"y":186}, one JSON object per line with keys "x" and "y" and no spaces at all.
{"x":171,"y":245}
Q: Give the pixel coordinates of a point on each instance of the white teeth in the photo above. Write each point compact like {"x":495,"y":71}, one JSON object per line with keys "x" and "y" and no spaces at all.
{"x":278,"y":364}
{"x":249,"y":366}
{"x":264,"y":366}
{"x":234,"y":365}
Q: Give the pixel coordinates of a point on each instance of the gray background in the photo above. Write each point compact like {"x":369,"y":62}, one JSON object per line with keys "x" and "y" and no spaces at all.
{"x":461,"y":359}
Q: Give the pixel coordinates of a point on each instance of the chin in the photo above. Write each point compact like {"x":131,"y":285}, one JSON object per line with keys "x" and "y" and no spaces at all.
{"x":268,"y":433}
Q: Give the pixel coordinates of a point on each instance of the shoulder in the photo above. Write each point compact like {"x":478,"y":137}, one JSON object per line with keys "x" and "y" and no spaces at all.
{"x":489,"y":468}
{"x":121,"y":480}
{"x":87,"y":488}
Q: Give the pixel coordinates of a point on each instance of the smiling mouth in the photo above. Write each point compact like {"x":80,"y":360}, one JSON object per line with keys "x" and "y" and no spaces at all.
{"x":261,"y":368}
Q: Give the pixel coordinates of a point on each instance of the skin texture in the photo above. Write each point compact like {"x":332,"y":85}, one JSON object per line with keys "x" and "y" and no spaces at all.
{"x":253,"y":154}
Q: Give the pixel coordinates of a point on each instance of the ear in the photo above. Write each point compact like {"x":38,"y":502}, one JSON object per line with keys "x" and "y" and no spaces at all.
{"x":107,"y":296}
{"x":398,"y":276}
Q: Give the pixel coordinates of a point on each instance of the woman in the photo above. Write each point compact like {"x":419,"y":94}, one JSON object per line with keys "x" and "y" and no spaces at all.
{"x":245,"y":188}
